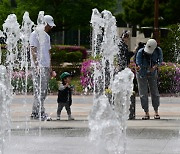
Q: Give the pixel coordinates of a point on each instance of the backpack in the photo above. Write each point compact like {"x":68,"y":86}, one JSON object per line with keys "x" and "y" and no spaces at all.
{"x":140,"y":45}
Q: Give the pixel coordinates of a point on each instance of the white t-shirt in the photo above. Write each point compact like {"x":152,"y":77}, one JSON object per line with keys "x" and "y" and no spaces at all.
{"x":43,"y":55}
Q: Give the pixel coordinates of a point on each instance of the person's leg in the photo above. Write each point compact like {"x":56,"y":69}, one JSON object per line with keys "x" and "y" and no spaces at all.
{"x":59,"y":109}
{"x":68,"y":109}
{"x":36,"y":83}
{"x":132,"y":107}
{"x":153,"y":85}
{"x":45,"y":76}
{"x":143,"y":93}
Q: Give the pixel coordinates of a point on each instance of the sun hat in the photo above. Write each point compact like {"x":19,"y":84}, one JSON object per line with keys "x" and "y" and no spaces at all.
{"x":64,"y":75}
{"x":150,"y":46}
{"x":49,"y":20}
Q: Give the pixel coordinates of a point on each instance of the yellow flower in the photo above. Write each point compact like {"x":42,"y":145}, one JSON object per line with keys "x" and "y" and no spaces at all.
{"x":108,"y":91}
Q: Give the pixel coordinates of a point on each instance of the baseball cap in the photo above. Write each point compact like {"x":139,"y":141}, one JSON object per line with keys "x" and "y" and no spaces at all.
{"x":64,"y":75}
{"x":49,"y":20}
{"x":150,"y":46}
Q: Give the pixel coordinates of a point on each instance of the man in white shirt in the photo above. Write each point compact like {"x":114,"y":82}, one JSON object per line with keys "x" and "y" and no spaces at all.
{"x":41,"y":67}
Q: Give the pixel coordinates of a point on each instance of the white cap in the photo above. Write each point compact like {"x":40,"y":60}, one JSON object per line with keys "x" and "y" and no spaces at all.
{"x":49,"y":20}
{"x":150,"y":46}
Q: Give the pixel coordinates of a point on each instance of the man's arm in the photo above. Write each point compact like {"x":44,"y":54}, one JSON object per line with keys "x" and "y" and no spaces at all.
{"x":139,"y":59}
{"x":50,"y":63}
{"x":34,"y":55}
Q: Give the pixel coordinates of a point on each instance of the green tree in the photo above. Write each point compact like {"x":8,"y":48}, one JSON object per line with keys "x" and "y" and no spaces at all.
{"x":138,"y":12}
{"x":171,"y":44}
{"x":67,"y":13}
{"x":5,"y":10}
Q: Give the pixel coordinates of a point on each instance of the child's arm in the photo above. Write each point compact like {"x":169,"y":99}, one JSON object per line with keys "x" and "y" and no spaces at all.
{"x":63,"y":87}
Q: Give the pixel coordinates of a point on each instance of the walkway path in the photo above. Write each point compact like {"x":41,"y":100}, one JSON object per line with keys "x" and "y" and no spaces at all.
{"x":67,"y":137}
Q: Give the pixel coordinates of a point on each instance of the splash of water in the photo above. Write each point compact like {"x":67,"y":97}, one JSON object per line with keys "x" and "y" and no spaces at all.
{"x":107,"y":120}
{"x":17,"y":43}
{"x":41,"y":38}
{"x":12,"y":30}
{"x":25,"y":32}
{"x":177,"y":48}
{"x":1,"y":36}
{"x":5,"y":100}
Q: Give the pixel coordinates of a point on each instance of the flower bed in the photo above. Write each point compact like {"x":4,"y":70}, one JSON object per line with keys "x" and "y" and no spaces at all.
{"x":19,"y":83}
{"x":169,"y":76}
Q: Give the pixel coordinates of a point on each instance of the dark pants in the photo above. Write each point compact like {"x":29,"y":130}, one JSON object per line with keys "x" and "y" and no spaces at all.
{"x":132,"y":108}
{"x":60,"y":107}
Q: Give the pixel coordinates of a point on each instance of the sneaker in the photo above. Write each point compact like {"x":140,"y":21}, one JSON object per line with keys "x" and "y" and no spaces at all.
{"x":70,"y":118}
{"x":45,"y":117}
{"x":34,"y":116}
{"x":58,"y":118}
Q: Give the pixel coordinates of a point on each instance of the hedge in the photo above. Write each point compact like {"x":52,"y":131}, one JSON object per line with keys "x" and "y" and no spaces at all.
{"x":72,"y":54}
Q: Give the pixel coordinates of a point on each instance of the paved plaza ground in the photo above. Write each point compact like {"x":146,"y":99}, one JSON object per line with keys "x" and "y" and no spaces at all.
{"x":71,"y":137}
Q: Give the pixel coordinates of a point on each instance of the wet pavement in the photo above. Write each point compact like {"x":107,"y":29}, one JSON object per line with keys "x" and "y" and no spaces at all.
{"x":71,"y":137}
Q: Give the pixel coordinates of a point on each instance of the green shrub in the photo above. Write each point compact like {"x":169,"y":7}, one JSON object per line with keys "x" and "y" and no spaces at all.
{"x":58,"y":57}
{"x":72,"y":54}
{"x":3,"y":57}
{"x":166,"y":78}
{"x":73,"y":69}
{"x":19,"y":83}
{"x":53,"y":85}
{"x":171,"y":44}
{"x":74,"y":57}
{"x":77,"y":84}
{"x":19,"y":86}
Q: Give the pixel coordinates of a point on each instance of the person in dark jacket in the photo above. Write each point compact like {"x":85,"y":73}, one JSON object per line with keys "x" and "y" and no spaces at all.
{"x":65,"y":95}
{"x":124,"y":54}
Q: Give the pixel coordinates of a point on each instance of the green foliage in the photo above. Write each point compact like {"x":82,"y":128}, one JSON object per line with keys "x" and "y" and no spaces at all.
{"x":138,"y":12}
{"x":66,"y":13}
{"x":166,"y":81}
{"x":74,"y":57}
{"x":171,"y":44}
{"x":73,"y":69}
{"x":53,"y":85}
{"x":58,"y":57}
{"x":19,"y":86}
{"x":3,"y":57}
{"x":66,"y":54}
{"x":77,"y":84}
{"x":5,"y":10}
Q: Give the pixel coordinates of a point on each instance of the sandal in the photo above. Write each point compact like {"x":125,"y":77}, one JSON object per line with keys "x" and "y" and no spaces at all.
{"x":146,"y":117}
{"x":156,"y":116}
